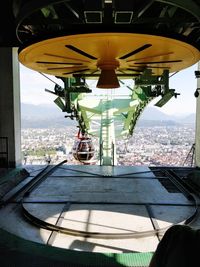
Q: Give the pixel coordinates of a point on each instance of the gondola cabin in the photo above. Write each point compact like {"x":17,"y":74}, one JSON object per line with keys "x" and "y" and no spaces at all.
{"x":83,"y":149}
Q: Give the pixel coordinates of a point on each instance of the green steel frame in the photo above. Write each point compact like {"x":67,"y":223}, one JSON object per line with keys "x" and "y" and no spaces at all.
{"x":115,"y":116}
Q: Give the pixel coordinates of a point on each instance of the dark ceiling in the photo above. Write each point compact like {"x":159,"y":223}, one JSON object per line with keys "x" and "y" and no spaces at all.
{"x":27,"y":21}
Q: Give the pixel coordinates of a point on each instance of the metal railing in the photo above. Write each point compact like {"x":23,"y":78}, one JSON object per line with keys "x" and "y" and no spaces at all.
{"x":101,"y":154}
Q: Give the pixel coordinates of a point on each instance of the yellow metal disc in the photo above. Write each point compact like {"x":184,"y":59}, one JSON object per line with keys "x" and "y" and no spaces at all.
{"x":127,"y":53}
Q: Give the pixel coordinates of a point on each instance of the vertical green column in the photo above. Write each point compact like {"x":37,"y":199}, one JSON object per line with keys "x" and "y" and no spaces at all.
{"x":107,"y":135}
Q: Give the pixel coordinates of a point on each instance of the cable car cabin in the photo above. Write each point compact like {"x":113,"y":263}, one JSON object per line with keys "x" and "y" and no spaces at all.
{"x":83,"y":149}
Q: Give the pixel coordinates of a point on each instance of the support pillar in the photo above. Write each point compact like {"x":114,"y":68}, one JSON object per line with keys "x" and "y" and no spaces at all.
{"x":197,"y":133}
{"x":10,"y":120}
{"x":107,"y":135}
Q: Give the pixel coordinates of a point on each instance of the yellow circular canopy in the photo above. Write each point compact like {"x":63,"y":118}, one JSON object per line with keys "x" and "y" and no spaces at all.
{"x":126,"y":53}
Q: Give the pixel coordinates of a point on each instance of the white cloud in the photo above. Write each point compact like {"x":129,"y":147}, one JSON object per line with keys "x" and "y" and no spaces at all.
{"x":33,"y":86}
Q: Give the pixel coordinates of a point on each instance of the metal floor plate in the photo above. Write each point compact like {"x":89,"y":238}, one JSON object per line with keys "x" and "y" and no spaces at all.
{"x":98,"y":199}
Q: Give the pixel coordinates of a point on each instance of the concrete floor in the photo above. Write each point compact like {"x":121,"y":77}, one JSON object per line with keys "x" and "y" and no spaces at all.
{"x":91,"y":200}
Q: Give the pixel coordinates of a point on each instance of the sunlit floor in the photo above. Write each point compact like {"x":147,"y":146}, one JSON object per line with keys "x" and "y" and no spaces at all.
{"x":94,"y":199}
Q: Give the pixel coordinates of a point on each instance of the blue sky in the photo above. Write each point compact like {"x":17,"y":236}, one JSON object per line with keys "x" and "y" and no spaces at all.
{"x":33,"y":84}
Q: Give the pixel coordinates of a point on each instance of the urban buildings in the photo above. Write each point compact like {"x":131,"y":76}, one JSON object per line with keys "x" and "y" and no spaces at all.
{"x":151,"y":146}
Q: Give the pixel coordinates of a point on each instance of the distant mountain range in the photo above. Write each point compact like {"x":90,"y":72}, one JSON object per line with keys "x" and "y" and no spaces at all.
{"x":50,"y":116}
{"x":44,"y":116}
{"x":154,"y":114}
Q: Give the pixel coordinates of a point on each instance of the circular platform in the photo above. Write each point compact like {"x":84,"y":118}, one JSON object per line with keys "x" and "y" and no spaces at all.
{"x":85,"y":54}
{"x":99,"y":203}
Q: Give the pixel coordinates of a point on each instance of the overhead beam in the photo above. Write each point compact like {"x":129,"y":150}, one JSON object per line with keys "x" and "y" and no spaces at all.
{"x":145,"y":7}
{"x":189,"y":6}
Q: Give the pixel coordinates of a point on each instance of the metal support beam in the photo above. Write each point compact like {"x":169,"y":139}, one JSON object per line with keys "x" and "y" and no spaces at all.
{"x":189,"y":6}
{"x":197,"y":136}
{"x":107,"y":135}
{"x":10,"y":119}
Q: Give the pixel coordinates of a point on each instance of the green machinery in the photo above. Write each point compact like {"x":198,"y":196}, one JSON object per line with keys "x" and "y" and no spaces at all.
{"x":114,"y":116}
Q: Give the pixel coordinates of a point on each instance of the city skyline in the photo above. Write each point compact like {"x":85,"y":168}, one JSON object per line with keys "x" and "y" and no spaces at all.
{"x":33,"y":86}
{"x":151,"y":146}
